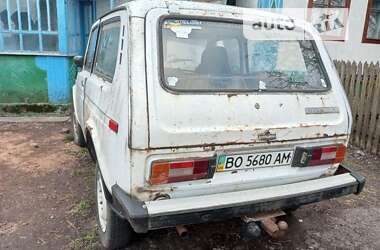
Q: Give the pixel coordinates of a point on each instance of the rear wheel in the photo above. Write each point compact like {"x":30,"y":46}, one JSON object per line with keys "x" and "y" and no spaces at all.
{"x":114,"y":232}
{"x":77,"y":131}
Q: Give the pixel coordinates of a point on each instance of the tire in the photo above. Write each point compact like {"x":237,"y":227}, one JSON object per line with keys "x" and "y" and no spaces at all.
{"x":77,"y":131}
{"x":114,"y":232}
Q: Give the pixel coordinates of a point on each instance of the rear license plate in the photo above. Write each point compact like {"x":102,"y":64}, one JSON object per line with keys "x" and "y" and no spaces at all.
{"x":254,"y":160}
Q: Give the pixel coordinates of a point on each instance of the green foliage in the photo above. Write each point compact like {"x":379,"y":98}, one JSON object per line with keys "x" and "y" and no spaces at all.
{"x":87,"y":241}
{"x":82,"y":208}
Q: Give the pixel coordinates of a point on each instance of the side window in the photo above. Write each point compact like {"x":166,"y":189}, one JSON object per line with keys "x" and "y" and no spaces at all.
{"x":372,"y":24}
{"x":106,"y":57}
{"x":91,"y":49}
{"x":29,"y":26}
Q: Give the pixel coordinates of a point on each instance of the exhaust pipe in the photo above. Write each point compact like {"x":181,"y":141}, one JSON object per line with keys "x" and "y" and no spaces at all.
{"x":182,"y":231}
{"x":275,"y":230}
{"x":252,"y":226}
{"x":250,"y":231}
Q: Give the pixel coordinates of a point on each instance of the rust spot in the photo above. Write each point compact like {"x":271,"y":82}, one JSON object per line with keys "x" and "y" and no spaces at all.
{"x":153,"y":190}
{"x":302,"y":125}
{"x":257,"y":106}
{"x":231,"y":95}
{"x":251,"y":141}
{"x":323,"y":101}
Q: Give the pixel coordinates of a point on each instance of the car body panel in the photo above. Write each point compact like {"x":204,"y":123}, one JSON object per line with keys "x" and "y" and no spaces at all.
{"x":157,"y":124}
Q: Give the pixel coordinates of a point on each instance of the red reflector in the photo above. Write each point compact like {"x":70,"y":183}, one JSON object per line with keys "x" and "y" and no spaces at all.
{"x":114,"y":126}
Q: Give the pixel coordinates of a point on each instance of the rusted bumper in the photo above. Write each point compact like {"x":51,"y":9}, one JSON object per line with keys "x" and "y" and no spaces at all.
{"x":144,"y":216}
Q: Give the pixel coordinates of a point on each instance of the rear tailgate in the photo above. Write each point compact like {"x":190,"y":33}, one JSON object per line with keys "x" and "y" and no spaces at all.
{"x":201,"y":118}
{"x":190,"y":120}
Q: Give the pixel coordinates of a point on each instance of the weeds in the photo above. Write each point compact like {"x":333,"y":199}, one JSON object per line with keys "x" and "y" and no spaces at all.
{"x":68,"y":138}
{"x":78,"y":172}
{"x":87,"y":241}
{"x":82,"y":208}
{"x":82,"y":152}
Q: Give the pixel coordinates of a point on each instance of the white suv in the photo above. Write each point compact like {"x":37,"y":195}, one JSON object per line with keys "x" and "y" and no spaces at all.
{"x":190,"y":119}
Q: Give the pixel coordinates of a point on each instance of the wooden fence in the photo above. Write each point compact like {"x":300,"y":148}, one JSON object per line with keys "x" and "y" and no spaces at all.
{"x":362,"y":85}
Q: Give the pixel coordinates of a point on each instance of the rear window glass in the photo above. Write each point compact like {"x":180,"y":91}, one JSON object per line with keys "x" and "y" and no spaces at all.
{"x":216,"y":56}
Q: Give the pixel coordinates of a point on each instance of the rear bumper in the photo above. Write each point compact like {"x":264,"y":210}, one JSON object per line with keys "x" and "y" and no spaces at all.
{"x":145,"y":216}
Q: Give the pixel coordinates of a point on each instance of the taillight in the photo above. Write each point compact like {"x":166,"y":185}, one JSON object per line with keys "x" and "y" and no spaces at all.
{"x":317,"y":156}
{"x":178,"y":171}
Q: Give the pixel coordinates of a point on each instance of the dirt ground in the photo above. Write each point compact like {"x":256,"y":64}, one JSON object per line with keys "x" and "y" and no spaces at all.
{"x":47,"y":202}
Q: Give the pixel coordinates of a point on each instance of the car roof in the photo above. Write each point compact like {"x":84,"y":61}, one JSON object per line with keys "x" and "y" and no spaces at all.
{"x":140,"y":8}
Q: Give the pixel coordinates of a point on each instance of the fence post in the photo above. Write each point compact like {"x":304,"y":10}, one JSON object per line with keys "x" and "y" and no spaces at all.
{"x":363,"y":89}
{"x":371,"y":142}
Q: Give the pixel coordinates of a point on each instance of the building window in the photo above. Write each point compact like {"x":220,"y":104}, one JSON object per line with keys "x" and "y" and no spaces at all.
{"x":28,"y":26}
{"x":329,"y":3}
{"x":270,"y":4}
{"x":330,"y":18}
{"x":103,"y":6}
{"x":372,"y":23}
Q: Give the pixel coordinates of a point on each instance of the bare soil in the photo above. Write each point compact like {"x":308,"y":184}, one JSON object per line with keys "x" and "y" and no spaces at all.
{"x":47,"y":202}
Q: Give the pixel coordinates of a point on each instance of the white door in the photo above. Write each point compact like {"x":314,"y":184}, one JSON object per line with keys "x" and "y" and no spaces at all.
{"x":107,"y":93}
{"x":84,"y":75}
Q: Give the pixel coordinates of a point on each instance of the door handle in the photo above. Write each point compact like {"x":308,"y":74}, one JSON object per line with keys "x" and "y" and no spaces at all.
{"x":83,"y":82}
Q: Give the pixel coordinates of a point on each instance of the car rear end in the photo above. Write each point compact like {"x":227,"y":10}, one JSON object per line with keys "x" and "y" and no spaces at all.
{"x":236,"y":125}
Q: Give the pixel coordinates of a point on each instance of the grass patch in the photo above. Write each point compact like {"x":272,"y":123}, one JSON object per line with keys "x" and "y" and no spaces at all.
{"x":20,"y":108}
{"x":87,"y":241}
{"x":86,"y":170}
{"x":82,"y":208}
{"x":89,"y":180}
{"x":75,"y":151}
{"x":78,"y":172}
{"x":82,"y":152}
{"x":68,"y":138}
